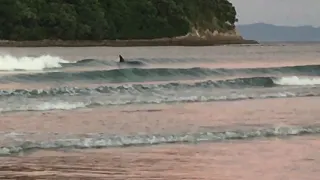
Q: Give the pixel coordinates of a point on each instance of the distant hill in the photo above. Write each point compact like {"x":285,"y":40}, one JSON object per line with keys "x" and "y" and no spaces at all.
{"x":268,"y":32}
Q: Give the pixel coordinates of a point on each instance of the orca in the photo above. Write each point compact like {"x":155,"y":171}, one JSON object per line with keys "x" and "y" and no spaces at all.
{"x":121,"y":59}
{"x":130,"y":63}
{"x":85,"y":61}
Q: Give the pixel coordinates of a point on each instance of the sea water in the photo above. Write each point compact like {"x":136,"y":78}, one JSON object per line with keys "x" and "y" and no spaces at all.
{"x":222,"y":112}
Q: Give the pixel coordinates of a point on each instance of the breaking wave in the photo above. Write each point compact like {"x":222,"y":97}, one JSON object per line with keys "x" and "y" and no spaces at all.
{"x":101,"y":140}
{"x":28,"y":63}
{"x":297,"y":81}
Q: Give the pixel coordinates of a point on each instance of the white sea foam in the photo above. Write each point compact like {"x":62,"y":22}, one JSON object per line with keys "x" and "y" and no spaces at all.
{"x":100,"y":140}
{"x":47,"y":106}
{"x":297,"y":81}
{"x":10,"y":63}
{"x":59,"y":106}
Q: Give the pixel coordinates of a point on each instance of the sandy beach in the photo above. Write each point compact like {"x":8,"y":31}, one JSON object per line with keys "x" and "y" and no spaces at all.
{"x":268,"y":159}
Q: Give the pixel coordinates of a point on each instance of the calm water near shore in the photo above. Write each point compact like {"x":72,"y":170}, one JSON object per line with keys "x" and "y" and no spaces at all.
{"x":222,"y":112}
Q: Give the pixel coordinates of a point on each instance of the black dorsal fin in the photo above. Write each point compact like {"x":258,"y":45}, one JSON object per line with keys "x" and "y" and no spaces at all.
{"x":121,"y":58}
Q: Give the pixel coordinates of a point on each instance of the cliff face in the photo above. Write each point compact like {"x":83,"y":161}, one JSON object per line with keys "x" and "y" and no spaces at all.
{"x":121,"y":19}
{"x":210,"y":19}
{"x":209,"y":35}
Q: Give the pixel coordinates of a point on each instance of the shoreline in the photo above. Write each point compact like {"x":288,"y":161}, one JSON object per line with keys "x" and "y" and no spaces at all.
{"x":215,"y":41}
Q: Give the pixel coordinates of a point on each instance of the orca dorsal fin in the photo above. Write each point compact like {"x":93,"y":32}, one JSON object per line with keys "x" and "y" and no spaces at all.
{"x":121,"y":58}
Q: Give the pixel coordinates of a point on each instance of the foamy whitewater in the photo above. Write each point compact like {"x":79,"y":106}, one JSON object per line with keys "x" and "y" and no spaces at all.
{"x":11,"y":63}
{"x":298,"y":81}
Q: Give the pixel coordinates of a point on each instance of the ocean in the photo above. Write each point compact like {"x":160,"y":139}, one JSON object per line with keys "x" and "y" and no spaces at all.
{"x":220,"y":112}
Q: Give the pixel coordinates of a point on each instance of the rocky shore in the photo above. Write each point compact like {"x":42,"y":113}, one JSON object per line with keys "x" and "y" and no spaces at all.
{"x":194,"y":38}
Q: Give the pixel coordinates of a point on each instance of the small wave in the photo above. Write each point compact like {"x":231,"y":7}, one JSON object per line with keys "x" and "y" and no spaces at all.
{"x":230,"y":83}
{"x":106,"y":141}
{"x":174,"y":86}
{"x":161,"y":74}
{"x":171,"y":60}
{"x":297,"y":81}
{"x":93,"y":62}
{"x":118,"y":100}
{"x":28,"y":63}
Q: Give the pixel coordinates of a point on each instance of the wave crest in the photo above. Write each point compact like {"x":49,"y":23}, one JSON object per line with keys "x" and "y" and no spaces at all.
{"x":106,"y":141}
{"x":162,"y":74}
{"x":141,"y":88}
{"x":29,"y":105}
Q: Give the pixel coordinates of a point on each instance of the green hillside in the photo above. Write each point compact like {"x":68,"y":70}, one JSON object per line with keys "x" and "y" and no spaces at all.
{"x":111,"y":19}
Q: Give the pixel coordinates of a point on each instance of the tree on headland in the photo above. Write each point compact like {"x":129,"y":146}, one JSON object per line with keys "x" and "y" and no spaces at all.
{"x":111,"y":19}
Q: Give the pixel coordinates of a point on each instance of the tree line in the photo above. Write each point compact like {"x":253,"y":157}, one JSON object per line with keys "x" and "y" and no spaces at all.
{"x":111,"y":19}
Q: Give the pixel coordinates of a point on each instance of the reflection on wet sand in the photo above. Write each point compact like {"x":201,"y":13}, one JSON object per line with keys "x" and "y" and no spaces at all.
{"x":175,"y":118}
{"x":295,"y":159}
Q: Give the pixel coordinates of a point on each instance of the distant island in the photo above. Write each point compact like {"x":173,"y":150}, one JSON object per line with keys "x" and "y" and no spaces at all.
{"x":118,"y":23}
{"x":268,"y":32}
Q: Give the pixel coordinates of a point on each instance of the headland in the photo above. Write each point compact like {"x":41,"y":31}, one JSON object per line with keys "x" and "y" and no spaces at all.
{"x":120,"y":23}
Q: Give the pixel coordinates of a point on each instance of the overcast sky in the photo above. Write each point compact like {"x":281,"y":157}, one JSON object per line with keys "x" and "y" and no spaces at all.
{"x":280,"y":12}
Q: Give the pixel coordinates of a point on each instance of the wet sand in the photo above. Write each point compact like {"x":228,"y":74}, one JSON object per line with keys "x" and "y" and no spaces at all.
{"x":176,"y":118}
{"x":293,"y":158}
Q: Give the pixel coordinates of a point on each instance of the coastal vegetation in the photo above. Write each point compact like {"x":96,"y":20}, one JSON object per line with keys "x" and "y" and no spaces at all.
{"x":111,"y":19}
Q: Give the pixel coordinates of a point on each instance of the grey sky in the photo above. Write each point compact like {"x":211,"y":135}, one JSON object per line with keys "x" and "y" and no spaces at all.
{"x":280,"y":12}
